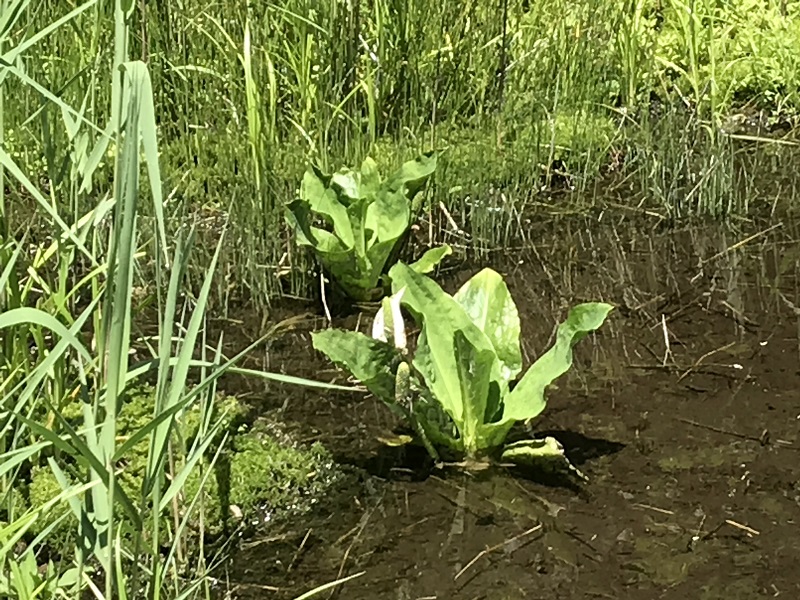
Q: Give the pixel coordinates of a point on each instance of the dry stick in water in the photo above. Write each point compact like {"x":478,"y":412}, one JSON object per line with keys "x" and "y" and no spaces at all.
{"x":748,"y":530}
{"x":762,"y":439}
{"x":359,"y":529}
{"x":737,"y":245}
{"x":483,"y":553}
{"x":667,"y":349}
{"x":696,"y":364}
{"x":324,"y":299}
{"x":450,"y":219}
{"x":299,"y":550}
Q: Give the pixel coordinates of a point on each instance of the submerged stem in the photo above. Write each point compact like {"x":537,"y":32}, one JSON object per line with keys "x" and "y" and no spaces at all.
{"x":404,"y":399}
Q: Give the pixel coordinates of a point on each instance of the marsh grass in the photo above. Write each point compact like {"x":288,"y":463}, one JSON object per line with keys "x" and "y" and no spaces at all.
{"x":67,"y":333}
{"x":248,"y":93}
{"x":147,"y":151}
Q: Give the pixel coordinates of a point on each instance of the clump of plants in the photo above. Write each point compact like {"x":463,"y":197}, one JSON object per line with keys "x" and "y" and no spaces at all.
{"x":261,"y":478}
{"x":254,"y":476}
{"x":459,"y":388}
{"x":356,"y":221}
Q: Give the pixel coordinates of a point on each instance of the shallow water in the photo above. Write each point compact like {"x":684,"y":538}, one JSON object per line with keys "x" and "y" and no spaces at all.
{"x":683,"y":412}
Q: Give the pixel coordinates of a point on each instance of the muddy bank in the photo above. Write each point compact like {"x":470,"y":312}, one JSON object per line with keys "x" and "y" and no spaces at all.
{"x":682,"y":411}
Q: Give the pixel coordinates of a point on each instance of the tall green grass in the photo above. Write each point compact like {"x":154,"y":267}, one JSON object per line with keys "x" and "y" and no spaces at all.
{"x":248,"y":92}
{"x":67,"y":323}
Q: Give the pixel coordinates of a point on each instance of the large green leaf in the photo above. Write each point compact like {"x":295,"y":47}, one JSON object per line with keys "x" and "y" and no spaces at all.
{"x":487,"y":301}
{"x":388,"y":215}
{"x":436,"y":360}
{"x":316,"y":191}
{"x":412,"y":175}
{"x":474,"y":375}
{"x":371,"y":361}
{"x":527,"y":399}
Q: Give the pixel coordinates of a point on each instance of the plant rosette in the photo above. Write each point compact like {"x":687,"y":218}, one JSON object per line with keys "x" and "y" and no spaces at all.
{"x":355,"y":222}
{"x":456,"y":390}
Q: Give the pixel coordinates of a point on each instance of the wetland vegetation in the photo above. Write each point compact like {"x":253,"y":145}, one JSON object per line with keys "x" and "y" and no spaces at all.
{"x":205,"y":204}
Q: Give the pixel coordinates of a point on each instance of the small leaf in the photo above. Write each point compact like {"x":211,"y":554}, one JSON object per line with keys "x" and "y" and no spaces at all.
{"x":299,"y":218}
{"x":529,"y":451}
{"x":371,"y":361}
{"x":412,"y":175}
{"x":316,"y":193}
{"x":429,"y":261}
{"x":394,"y":440}
{"x":347,"y":185}
{"x":547,"y":453}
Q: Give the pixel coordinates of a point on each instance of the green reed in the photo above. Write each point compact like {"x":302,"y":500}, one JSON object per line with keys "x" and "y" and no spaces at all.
{"x":249,"y":92}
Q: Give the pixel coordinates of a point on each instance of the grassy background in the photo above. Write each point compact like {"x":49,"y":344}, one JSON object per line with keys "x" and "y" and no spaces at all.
{"x":247,"y":92}
{"x":685,"y":109}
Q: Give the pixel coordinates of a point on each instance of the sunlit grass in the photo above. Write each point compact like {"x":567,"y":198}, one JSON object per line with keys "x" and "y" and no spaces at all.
{"x":148,"y":150}
{"x":246,"y":96}
{"x":67,"y":340}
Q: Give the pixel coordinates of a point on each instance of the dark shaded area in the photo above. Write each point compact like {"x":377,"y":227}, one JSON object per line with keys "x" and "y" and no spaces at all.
{"x":395,"y":463}
{"x":580,"y":448}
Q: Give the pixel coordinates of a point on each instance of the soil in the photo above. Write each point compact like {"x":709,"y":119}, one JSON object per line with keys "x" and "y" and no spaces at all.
{"x":683,"y":412}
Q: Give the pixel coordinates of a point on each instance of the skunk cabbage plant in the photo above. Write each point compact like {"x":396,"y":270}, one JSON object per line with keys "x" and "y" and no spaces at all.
{"x":355,"y":221}
{"x":461,"y":390}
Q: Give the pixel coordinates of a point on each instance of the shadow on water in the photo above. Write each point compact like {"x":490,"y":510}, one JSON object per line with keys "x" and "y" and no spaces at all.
{"x":682,"y":412}
{"x":402,"y":463}
{"x":581,"y":448}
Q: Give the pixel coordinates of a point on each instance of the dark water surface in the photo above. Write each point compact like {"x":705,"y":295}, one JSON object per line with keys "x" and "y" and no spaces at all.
{"x":683,"y":412}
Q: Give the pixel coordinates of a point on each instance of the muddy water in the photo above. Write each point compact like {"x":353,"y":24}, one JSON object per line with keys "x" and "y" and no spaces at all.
{"x":683,"y":412}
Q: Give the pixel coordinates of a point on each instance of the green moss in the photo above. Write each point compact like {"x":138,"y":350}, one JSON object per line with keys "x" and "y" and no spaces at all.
{"x":255,"y":476}
{"x":268,"y":476}
{"x":43,"y":488}
{"x":260,"y":478}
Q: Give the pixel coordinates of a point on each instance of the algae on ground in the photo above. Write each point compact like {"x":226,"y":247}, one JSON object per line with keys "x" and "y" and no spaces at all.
{"x":252,"y":476}
{"x":260,"y":478}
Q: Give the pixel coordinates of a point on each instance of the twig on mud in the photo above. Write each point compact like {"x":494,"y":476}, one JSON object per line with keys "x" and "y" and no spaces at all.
{"x":680,"y":310}
{"x":735,"y":246}
{"x":640,"y":211}
{"x":789,"y":303}
{"x":696,"y":537}
{"x":359,"y":529}
{"x":763,"y":439}
{"x":663,"y":511}
{"x":483,"y":553}
{"x":299,"y":550}
{"x":646,"y":366}
{"x":450,"y":218}
{"x":667,"y":349}
{"x":738,"y":316}
{"x":748,"y":530}
{"x":702,"y":358}
{"x":250,"y":586}
{"x":324,"y":298}
{"x":706,"y":370}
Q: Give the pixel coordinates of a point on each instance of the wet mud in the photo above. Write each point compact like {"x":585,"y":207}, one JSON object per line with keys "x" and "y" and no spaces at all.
{"x":683,"y":411}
